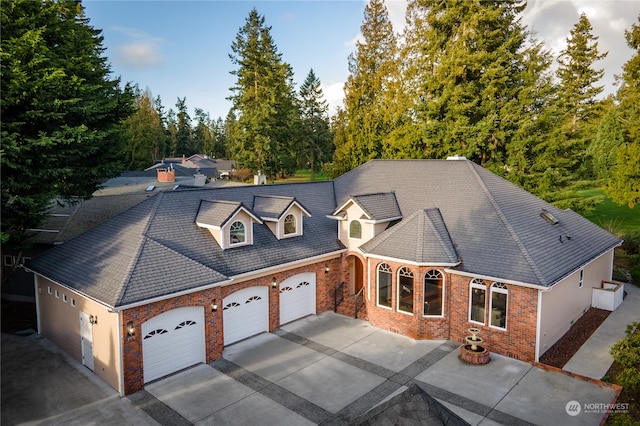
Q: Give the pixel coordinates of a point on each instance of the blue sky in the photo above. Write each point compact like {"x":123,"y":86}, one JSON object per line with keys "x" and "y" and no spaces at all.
{"x":181,"y":48}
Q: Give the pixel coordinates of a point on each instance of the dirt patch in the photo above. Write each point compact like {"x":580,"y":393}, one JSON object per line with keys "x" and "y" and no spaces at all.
{"x":562,"y":351}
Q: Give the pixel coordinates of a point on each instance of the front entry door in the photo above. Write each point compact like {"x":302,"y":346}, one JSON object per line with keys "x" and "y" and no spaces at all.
{"x":357,"y":274}
{"x":86,"y":338}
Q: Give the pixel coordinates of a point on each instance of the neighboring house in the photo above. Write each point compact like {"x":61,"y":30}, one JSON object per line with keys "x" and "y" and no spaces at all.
{"x":209,"y":166}
{"x":430,"y":247}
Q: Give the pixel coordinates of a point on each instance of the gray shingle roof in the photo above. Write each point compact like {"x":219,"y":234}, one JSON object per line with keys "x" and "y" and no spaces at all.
{"x":273,"y":207}
{"x":156,"y":248}
{"x":379,"y":206}
{"x":421,"y":238}
{"x":217,"y":212}
{"x":496,"y":227}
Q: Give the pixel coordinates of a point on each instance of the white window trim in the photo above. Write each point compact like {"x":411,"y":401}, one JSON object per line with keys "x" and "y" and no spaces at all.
{"x":503,"y":291}
{"x":390,"y":272}
{"x":57,"y":294}
{"x":73,"y":302}
{"x":64,"y":298}
{"x":483,"y":287}
{"x":247,"y":236}
{"x":581,"y":278}
{"x":297,"y":224}
{"x":413,"y":305}
{"x":349,"y":230}
{"x":9,"y":260}
{"x":49,"y":289}
{"x":443,"y":295}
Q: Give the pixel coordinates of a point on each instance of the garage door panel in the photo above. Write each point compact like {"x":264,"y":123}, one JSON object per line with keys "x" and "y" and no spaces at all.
{"x":297,"y":297}
{"x":173,"y":341}
{"x":245,"y":313}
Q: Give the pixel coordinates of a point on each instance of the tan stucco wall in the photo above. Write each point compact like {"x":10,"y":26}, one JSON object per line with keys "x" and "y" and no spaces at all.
{"x":566,"y":301}
{"x":355,"y":213}
{"x":248,"y":223}
{"x":59,"y":322}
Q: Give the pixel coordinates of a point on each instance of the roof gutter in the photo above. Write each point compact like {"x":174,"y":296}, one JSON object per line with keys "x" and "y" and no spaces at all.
{"x":409,"y":262}
{"x":170,"y":296}
{"x":285,"y":266}
{"x":498,"y":279}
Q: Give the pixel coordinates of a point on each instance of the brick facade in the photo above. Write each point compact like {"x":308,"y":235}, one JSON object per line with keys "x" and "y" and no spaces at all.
{"x":214,"y":339}
{"x":518,"y":340}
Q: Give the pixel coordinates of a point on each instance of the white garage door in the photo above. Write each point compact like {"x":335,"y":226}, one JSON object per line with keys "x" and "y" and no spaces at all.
{"x":172,"y":341}
{"x":245,"y":313}
{"x":297,"y":297}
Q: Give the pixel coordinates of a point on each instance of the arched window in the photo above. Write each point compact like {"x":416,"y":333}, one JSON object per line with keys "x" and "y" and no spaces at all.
{"x":237,"y":233}
{"x":477,"y":301}
{"x":433,"y":293}
{"x":355,"y":229}
{"x":289,"y":224}
{"x":499,"y":295}
{"x":405,"y":290}
{"x":384,"y":285}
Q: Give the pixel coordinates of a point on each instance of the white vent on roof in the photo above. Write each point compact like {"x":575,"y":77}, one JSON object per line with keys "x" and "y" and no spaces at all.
{"x":456,"y":158}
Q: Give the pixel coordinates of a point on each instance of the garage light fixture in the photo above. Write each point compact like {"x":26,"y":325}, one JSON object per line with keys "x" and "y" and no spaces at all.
{"x":326,"y":269}
{"x":214,"y":305}
{"x":274,"y":283}
{"x":93,"y":319}
{"x":131,"y":331}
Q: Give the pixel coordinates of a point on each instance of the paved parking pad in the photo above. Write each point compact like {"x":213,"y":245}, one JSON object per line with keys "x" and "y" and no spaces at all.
{"x":330,"y":369}
{"x":198,"y":392}
{"x":550,"y":393}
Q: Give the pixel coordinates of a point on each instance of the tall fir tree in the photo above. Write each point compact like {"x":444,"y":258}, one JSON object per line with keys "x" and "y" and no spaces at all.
{"x":203,"y":140}
{"x":315,"y":135}
{"x":624,"y":183}
{"x":474,"y":60}
{"x":369,"y":90}
{"x":263,"y":100}
{"x":62,"y":111}
{"x":184,"y":139}
{"x":145,"y":134}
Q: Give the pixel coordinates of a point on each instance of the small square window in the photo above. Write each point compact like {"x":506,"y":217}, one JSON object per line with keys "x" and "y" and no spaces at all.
{"x":73,"y":302}
{"x":581,"y":278}
{"x":64,"y":298}
{"x":49,"y":289}
{"x":8,"y":260}
{"x":57,"y":293}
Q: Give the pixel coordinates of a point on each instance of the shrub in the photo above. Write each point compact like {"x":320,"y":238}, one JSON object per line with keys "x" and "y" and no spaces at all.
{"x":631,"y":243}
{"x":626,"y":352}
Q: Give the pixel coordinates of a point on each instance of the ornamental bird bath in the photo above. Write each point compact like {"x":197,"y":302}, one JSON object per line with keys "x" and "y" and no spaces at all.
{"x":473,"y":352}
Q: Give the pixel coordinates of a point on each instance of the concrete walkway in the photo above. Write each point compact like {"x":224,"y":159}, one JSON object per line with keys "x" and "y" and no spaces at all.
{"x":593,"y":359}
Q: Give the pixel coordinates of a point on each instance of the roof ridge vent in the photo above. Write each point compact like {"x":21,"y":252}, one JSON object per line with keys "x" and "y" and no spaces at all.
{"x":456,"y":158}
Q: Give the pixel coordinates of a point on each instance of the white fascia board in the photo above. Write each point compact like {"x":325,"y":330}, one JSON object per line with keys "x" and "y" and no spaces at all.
{"x":374,"y":221}
{"x":72,"y":290}
{"x":498,"y":279}
{"x":285,"y":266}
{"x":342,"y":218}
{"x":204,"y":225}
{"x":585,"y":264}
{"x":170,"y":296}
{"x":231,"y":217}
{"x":408,"y":262}
{"x":302,"y":209}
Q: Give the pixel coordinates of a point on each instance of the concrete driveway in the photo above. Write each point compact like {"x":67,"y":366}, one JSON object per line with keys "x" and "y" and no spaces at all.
{"x":330,"y":369}
{"x":326,"y":369}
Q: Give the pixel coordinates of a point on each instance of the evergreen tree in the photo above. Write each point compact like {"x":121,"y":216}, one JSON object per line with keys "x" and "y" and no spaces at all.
{"x":203,"y":141}
{"x":184,"y":140}
{"x":264,"y":101}
{"x":172,"y":133}
{"x":474,"y":63}
{"x":315,"y":137}
{"x":219,"y":139}
{"x":145,"y":134}
{"x":624,"y":183}
{"x":602,"y":150}
{"x":369,"y":89}
{"x":61,"y":111}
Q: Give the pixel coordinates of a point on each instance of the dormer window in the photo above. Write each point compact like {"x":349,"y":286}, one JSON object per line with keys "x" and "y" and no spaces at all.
{"x":355,"y":230}
{"x":290,"y":224}
{"x":237,"y":233}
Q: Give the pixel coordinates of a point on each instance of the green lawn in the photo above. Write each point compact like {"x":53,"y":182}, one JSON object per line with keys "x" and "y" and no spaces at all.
{"x":303,"y":175}
{"x":611,"y":216}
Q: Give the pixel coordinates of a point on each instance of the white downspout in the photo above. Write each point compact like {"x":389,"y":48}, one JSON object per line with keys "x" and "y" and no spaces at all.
{"x":35,"y":283}
{"x":538,"y":325}
{"x":121,"y":351}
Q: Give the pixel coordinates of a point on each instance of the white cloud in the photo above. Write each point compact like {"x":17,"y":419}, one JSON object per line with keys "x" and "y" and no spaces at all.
{"x":140,"y":50}
{"x":334,"y":95}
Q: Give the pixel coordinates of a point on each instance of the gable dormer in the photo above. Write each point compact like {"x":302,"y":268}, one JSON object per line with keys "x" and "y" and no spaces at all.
{"x":362,"y":217}
{"x":282,"y":215}
{"x":230,"y":223}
